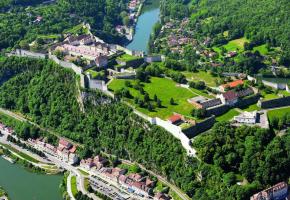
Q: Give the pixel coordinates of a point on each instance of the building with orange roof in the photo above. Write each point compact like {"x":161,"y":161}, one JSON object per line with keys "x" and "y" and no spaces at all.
{"x":175,"y":119}
{"x":231,"y":85}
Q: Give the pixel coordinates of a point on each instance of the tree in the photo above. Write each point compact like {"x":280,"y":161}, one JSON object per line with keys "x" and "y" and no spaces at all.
{"x":155,"y":97}
{"x":172,"y":101}
{"x":159,"y":103}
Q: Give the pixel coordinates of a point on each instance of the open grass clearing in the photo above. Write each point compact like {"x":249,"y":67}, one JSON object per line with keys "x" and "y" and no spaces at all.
{"x":204,"y":76}
{"x":201,"y":93}
{"x":236,"y":45}
{"x":251,"y":108}
{"x":227,"y":116}
{"x":127,"y":58}
{"x":268,"y":96}
{"x":277,"y":113}
{"x":262,"y":49}
{"x":165,"y":89}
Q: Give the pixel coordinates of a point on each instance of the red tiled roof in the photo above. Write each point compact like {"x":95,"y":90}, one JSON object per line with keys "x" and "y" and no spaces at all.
{"x":175,"y":118}
{"x":230,"y":95}
{"x":64,"y":142}
{"x":73,"y":149}
{"x":233,"y":84}
{"x":135,"y":176}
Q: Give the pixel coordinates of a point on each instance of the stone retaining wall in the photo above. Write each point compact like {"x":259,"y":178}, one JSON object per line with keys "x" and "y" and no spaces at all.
{"x":274,"y":103}
{"x":200,"y":127}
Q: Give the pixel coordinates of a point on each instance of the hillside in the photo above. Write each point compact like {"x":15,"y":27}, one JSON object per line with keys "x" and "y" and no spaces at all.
{"x":45,"y":93}
{"x":23,"y":22}
{"x":262,"y":22}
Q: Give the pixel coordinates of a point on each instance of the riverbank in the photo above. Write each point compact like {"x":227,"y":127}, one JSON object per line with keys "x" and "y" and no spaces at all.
{"x":13,"y":155}
{"x":3,"y":194}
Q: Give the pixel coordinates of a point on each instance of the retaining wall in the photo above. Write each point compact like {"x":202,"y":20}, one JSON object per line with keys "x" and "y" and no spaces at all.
{"x":274,"y":103}
{"x":25,"y":53}
{"x":217,"y":110}
{"x":248,"y":101}
{"x":176,"y":131}
{"x":69,"y":65}
{"x":200,"y":127}
{"x":157,"y":58}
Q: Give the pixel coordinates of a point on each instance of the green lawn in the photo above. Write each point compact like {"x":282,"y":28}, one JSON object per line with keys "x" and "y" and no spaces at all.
{"x":277,"y":113}
{"x":202,"y":76}
{"x":23,"y":155}
{"x":165,"y":89}
{"x":127,"y":57}
{"x":262,"y":49}
{"x":52,"y":36}
{"x":96,"y":74}
{"x":269,"y":96}
{"x":201,"y":93}
{"x":78,"y":29}
{"x":237,"y":44}
{"x":74,"y":188}
{"x":284,"y":92}
{"x":251,"y":108}
{"x":227,"y":116}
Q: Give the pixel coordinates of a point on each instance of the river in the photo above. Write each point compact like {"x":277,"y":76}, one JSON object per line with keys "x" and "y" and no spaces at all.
{"x":23,"y":185}
{"x":149,"y":16}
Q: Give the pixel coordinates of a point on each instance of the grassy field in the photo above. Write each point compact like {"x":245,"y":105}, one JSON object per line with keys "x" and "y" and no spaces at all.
{"x":269,"y":96}
{"x":227,"y":116}
{"x":74,"y":188}
{"x":52,"y":36}
{"x":96,"y":74}
{"x":236,"y":45}
{"x":23,"y":155}
{"x":277,"y":113}
{"x":202,"y":76}
{"x":251,"y":108}
{"x":201,"y":93}
{"x":165,"y":89}
{"x":78,"y":29}
{"x":127,"y":57}
{"x":262,"y":49}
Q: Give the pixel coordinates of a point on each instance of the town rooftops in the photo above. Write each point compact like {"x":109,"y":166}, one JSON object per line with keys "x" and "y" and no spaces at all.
{"x":162,"y":196}
{"x":64,"y":143}
{"x":233,"y":84}
{"x":276,"y":192}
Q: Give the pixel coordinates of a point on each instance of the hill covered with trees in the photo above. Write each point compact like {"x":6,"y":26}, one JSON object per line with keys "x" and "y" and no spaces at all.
{"x":19,"y":24}
{"x":46,"y":93}
{"x":262,"y":22}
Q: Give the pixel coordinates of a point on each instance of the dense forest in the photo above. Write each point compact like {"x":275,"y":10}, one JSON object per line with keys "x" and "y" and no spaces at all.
{"x":18,"y":25}
{"x":255,"y":157}
{"x":263,"y":22}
